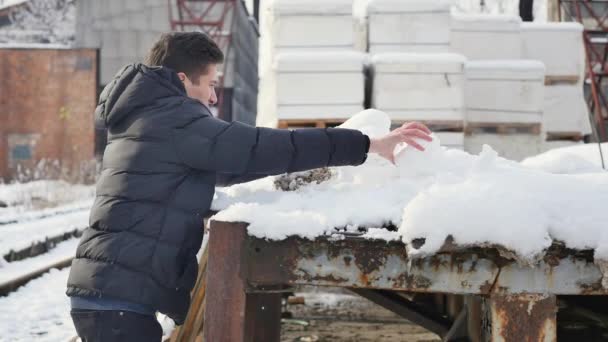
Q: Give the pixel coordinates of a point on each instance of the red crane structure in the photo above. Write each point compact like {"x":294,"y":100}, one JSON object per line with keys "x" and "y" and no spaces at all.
{"x":213,"y":17}
{"x":593,"y":15}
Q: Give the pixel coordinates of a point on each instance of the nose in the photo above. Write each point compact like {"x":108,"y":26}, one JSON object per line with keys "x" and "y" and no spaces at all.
{"x":212,"y":97}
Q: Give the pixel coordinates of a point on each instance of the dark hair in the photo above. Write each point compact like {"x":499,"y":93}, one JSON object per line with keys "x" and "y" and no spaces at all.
{"x":187,"y":52}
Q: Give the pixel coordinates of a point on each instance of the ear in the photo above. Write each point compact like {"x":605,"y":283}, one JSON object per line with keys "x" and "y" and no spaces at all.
{"x":182,"y":76}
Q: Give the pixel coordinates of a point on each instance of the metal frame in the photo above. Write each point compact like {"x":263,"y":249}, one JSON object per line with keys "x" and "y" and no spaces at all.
{"x":186,"y":15}
{"x":247,"y":274}
{"x":593,"y":15}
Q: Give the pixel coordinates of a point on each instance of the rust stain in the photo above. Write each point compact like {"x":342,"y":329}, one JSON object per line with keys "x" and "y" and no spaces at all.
{"x":363,"y":279}
{"x":406,"y":280}
{"x":347,"y":261}
{"x":526,"y":318}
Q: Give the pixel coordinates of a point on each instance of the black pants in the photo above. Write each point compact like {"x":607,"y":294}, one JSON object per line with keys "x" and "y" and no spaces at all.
{"x":116,"y":326}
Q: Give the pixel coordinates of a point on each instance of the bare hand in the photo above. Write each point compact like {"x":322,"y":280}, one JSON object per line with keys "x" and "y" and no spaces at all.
{"x":407,"y":133}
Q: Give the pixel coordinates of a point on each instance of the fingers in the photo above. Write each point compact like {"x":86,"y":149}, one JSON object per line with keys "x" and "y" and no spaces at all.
{"x":416,"y":133}
{"x":417,"y":125}
{"x":414,"y":144}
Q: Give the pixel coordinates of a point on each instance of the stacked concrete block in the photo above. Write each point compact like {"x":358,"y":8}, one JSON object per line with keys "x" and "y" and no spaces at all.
{"x":424,"y":87}
{"x":516,"y":146}
{"x":322,"y":85}
{"x":481,"y":37}
{"x":315,"y":28}
{"x":560,"y":47}
{"x":566,"y":113}
{"x":451,"y":140}
{"x":507,"y":91}
{"x":299,"y":24}
{"x":408,"y":26}
{"x":504,"y":101}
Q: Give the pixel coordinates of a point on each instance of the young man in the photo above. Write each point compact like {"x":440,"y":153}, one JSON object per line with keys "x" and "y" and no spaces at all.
{"x":164,"y":157}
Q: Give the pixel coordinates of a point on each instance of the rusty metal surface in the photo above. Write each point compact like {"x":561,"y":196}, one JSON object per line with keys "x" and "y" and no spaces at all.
{"x":353,"y":262}
{"x":225,"y":298}
{"x":524,"y":317}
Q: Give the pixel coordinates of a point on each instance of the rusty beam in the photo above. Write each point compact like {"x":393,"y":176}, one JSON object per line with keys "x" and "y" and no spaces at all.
{"x":231,"y":314}
{"x":373,"y":264}
{"x":409,"y":310}
{"x":524,"y":317}
{"x":263,"y":314}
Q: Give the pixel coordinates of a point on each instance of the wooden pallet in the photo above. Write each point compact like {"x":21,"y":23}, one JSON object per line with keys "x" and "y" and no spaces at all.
{"x":316,"y":123}
{"x":192,"y":329}
{"x":571,"y":136}
{"x":561,"y":79}
{"x":502,"y":128}
{"x":434,"y":125}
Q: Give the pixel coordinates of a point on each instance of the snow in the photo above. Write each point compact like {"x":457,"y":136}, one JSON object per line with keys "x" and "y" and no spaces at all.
{"x":8,"y":3}
{"x":38,"y":311}
{"x":21,"y":235}
{"x":476,"y":199}
{"x":552,"y":26}
{"x":15,"y":269}
{"x":41,"y":22}
{"x":381,"y":234}
{"x":22,"y":198}
{"x":47,"y":317}
{"x":19,"y":45}
{"x":583,"y":158}
{"x":496,"y":7}
{"x":318,"y":7}
{"x":414,"y":6}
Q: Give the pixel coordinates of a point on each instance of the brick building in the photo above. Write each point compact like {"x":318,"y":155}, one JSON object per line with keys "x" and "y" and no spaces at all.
{"x":47,"y":100}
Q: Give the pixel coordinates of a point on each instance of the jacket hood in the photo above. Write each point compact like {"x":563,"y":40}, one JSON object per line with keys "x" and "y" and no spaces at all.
{"x":136,"y":86}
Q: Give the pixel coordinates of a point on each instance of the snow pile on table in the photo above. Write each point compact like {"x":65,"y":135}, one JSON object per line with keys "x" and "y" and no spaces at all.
{"x":584,"y":158}
{"x":432,"y":195}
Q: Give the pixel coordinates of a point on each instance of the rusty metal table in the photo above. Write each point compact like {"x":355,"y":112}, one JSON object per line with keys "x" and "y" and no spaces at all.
{"x":503,"y":301}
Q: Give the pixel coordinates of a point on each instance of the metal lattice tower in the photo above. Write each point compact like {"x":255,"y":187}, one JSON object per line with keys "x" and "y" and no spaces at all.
{"x":213,"y":17}
{"x":593,"y":15}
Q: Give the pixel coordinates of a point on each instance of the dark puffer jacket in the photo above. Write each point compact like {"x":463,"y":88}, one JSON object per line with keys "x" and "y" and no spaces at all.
{"x":164,"y":154}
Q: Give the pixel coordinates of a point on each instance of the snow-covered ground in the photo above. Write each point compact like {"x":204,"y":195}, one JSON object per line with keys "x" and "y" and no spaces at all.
{"x":38,"y":311}
{"x":20,"y":235}
{"x":15,"y":269}
{"x":28,"y":199}
{"x":476,"y":199}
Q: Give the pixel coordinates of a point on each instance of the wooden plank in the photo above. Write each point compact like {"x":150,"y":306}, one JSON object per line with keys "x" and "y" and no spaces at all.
{"x":302,"y":123}
{"x":561,"y":79}
{"x":572,"y":136}
{"x":503,"y":128}
{"x":434,"y":125}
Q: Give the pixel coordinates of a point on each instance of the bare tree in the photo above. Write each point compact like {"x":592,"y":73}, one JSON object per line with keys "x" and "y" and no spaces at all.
{"x":45,"y":21}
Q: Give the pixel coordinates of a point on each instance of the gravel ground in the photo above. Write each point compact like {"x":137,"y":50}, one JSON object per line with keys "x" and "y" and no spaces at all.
{"x":338,"y":316}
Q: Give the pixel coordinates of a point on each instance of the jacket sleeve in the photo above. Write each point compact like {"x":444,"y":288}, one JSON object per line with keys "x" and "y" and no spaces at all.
{"x":239,"y":150}
{"x":227,"y":179}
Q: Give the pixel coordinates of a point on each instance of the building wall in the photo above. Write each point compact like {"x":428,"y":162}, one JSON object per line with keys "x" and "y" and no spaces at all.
{"x":124,"y":31}
{"x":47,"y":101}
